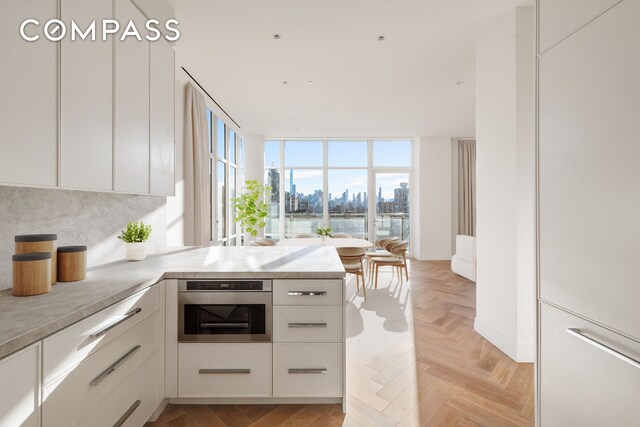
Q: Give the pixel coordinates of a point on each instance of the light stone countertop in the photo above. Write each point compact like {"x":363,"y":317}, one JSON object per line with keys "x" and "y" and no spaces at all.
{"x":25,"y":320}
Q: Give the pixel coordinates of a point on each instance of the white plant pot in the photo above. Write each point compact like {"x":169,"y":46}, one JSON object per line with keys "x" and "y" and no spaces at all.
{"x":136,"y":251}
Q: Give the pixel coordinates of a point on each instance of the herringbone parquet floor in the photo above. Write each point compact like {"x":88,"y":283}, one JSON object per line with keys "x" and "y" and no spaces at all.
{"x":413,"y":359}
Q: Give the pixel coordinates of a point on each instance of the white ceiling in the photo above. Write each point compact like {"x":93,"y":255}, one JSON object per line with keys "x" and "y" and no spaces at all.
{"x":403,"y":86}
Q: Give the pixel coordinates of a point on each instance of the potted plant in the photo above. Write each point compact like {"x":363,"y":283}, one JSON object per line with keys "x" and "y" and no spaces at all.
{"x":251,"y":208}
{"x":325,"y":231}
{"x":135,"y":237}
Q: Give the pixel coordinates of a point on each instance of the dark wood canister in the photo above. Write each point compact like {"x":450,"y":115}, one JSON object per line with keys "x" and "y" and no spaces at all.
{"x":31,"y":274}
{"x":30,"y":243}
{"x":72,"y":263}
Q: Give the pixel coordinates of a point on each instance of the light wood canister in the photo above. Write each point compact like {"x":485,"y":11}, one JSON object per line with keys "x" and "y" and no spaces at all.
{"x":31,"y":274}
{"x":72,"y":263}
{"x":30,"y":243}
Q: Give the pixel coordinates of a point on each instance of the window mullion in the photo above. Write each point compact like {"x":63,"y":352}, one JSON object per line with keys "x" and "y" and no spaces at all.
{"x":325,"y":182}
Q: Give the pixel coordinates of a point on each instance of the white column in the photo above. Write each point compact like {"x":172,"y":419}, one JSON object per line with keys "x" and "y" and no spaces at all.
{"x":254,"y":158}
{"x":505,"y":239}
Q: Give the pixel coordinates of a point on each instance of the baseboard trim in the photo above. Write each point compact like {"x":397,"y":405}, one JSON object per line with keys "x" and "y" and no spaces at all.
{"x":526,"y":353}
{"x":504,"y":344}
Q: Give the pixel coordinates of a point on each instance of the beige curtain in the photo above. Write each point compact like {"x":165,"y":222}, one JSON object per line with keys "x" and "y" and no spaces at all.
{"x":467,"y":187}
{"x":196,"y":169}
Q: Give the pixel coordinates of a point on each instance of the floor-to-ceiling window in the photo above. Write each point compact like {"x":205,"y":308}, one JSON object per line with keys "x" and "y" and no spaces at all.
{"x":225,"y":149}
{"x":357,"y":186}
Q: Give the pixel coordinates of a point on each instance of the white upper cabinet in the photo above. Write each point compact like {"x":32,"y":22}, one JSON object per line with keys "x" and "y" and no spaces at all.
{"x":589,"y":176}
{"x":28,"y":96}
{"x":559,"y":18}
{"x":132,"y":105}
{"x":19,"y":388}
{"x":162,"y":118}
{"x":87,"y":100}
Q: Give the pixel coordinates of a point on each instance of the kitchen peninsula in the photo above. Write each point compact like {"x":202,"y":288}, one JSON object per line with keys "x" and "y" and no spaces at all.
{"x":122,"y":343}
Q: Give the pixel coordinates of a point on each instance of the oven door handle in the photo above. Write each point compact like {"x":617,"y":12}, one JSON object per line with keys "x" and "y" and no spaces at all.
{"x":212,"y":325}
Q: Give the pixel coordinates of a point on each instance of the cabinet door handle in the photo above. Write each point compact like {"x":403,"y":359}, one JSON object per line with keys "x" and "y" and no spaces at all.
{"x":308,"y":371}
{"x":97,"y":380}
{"x":127,"y":414}
{"x":224,"y":371}
{"x":307,"y":325}
{"x":306,"y":293}
{"x":578,"y":334}
{"x":124,"y":318}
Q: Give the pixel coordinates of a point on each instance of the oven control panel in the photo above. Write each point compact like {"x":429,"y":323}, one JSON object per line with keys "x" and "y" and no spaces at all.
{"x":225,"y":285}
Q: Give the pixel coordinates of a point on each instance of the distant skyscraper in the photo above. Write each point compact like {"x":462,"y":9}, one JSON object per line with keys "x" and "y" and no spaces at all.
{"x":379,"y":194}
{"x":401,"y":198}
{"x":291,"y":185}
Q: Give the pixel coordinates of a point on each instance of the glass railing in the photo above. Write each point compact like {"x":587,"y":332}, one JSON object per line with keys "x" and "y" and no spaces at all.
{"x":355,"y":224}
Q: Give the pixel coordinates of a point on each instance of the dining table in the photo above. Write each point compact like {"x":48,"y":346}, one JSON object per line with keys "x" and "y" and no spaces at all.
{"x":335,"y":242}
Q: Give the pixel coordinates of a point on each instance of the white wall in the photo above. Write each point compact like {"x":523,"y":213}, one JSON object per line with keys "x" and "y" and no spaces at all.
{"x":505,"y":192}
{"x":433,"y":173}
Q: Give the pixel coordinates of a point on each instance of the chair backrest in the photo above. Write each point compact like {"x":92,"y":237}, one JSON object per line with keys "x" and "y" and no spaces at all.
{"x":399,"y":248}
{"x":342,"y":236}
{"x":390,"y":243}
{"x":381,"y":242}
{"x":306,"y":236}
{"x":351,"y":253}
{"x":265,"y":242}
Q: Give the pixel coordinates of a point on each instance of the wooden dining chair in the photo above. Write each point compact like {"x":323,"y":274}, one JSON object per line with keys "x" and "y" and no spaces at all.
{"x":398,"y":260}
{"x":342,"y":236}
{"x":352,"y":261}
{"x":381,"y":250}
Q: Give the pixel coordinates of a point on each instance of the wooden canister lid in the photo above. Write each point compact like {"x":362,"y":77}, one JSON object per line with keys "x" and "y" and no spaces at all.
{"x":36,"y":238}
{"x":34,"y":256}
{"x":77,"y":248}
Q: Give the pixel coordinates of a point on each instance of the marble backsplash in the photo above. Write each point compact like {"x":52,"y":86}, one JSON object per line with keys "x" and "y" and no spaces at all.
{"x":77,"y":217}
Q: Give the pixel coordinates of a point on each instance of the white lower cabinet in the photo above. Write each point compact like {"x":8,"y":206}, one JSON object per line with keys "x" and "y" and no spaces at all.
{"x":88,"y":383}
{"x":79,"y":341}
{"x":307,"y":370}
{"x":132,"y":403}
{"x":581,"y":383}
{"x":19,"y":384}
{"x":224,"y":370}
{"x":307,"y":324}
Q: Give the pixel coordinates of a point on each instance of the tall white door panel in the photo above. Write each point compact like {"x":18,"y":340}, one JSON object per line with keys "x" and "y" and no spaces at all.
{"x":162,"y":145}
{"x":132,"y":105}
{"x":87,"y":100}
{"x":28,"y":96}
{"x":589,"y":147}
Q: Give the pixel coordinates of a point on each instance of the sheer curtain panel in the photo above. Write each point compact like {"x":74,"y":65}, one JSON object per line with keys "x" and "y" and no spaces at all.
{"x":196,"y":167}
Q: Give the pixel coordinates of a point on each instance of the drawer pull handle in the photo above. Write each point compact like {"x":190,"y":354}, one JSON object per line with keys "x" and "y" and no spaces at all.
{"x":127,"y":414}
{"x":308,"y":325}
{"x":308,"y":371}
{"x":306,"y":293}
{"x":224,"y":371}
{"x":210,"y":325}
{"x":630,"y":360}
{"x":97,"y":380}
{"x":124,"y":318}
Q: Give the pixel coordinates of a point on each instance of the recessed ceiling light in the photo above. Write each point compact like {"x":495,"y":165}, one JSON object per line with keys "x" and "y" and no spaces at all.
{"x":460,"y":82}
{"x":381,"y":38}
{"x":284,"y":82}
{"x":276,"y":36}
{"x":309,"y":82}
